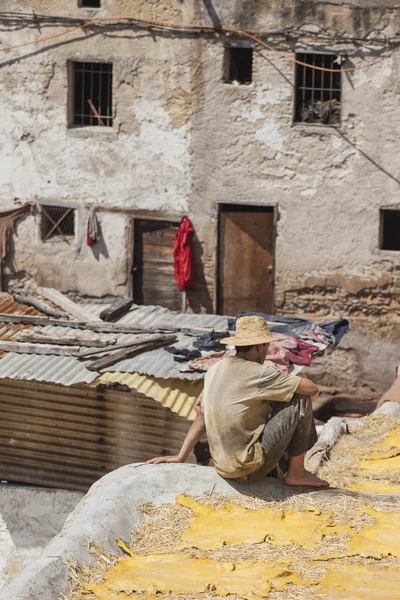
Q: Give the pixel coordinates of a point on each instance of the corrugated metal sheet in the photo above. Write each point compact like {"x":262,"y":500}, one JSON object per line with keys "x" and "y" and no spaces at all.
{"x":157,"y":363}
{"x":157,"y":316}
{"x":8,"y":331}
{"x":175,"y":394}
{"x":69,"y":370}
{"x":69,"y":437}
{"x":64,"y":370}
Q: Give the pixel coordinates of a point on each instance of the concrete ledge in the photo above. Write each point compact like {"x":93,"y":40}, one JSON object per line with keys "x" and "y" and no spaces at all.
{"x":110,"y":510}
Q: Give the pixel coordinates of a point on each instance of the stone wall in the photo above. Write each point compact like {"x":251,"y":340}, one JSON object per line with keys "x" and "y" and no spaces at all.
{"x":184,"y":141}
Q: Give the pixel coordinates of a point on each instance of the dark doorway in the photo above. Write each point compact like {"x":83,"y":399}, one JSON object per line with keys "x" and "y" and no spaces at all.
{"x":153,"y":264}
{"x":246,"y":246}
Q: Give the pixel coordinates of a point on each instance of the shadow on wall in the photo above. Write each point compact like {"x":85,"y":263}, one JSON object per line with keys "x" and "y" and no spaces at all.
{"x":199,"y":298}
{"x":99,"y":248}
{"x":212,"y":13}
{"x":12,"y":273}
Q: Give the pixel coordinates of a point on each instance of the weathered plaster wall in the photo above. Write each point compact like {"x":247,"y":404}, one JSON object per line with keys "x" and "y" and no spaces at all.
{"x":183,"y":141}
{"x":142,"y":162}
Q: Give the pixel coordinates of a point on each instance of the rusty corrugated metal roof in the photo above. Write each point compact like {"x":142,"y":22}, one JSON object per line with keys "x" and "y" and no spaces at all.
{"x":69,"y":437}
{"x":8,"y":331}
{"x":70,"y":371}
{"x":176,"y":394}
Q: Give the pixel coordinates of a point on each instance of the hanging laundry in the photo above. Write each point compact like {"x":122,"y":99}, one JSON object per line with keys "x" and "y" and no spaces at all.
{"x":183,"y":255}
{"x":8,"y":221}
{"x":93,"y":229}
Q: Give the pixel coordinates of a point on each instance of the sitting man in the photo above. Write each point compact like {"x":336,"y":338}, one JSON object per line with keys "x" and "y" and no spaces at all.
{"x":247,"y":435}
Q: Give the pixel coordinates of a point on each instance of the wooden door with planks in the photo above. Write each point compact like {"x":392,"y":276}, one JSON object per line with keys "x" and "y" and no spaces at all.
{"x":246,"y":246}
{"x":153,"y":264}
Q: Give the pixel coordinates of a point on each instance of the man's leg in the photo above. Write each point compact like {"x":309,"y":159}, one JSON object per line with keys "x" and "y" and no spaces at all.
{"x":291,"y":428}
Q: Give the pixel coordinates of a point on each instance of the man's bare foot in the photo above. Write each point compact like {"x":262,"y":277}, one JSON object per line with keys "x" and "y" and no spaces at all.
{"x":305,"y":478}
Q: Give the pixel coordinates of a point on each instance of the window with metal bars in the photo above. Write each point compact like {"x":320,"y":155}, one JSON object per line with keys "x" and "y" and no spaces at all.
{"x":89,"y":3}
{"x":57,"y":222}
{"x":317,"y":93}
{"x":91,"y":101}
{"x":238,"y":65}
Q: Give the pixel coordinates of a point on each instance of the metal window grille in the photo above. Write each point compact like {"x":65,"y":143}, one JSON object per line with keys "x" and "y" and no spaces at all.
{"x":92,"y":102}
{"x":318,"y":93}
{"x":90,"y":3}
{"x":389,"y":229}
{"x":238,"y":66}
{"x":57,"y":221}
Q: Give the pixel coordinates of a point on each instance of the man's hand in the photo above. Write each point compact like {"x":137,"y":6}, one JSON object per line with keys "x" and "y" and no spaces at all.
{"x":165,"y":459}
{"x":195,"y":433}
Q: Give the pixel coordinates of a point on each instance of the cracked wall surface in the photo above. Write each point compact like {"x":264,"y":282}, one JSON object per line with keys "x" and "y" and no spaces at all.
{"x":184,"y":141}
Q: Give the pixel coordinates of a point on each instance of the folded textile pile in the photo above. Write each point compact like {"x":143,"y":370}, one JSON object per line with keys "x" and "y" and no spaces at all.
{"x":280,"y":355}
{"x":302,"y":337}
{"x":328,"y":332}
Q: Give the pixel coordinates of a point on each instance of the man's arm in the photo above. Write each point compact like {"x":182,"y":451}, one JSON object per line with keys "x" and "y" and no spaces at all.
{"x":307,"y":388}
{"x":195,"y":433}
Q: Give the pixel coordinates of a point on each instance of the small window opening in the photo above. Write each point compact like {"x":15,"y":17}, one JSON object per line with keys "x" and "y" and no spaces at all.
{"x":57,"y":221}
{"x":390,"y":229}
{"x":91,"y":102}
{"x":317,"y":93}
{"x":89,"y":3}
{"x":238,"y":67}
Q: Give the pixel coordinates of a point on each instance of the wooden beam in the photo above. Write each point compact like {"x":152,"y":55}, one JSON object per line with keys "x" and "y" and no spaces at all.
{"x":68,"y":305}
{"x":107,"y":361}
{"x":21,"y":348}
{"x":40,"y":306}
{"x":89,"y":341}
{"x":116,"y":310}
{"x":139,"y":341}
{"x":100,"y":326}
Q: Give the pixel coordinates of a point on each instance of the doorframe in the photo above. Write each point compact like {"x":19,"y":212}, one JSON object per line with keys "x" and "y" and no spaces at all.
{"x":218,"y":209}
{"x":131,"y":240}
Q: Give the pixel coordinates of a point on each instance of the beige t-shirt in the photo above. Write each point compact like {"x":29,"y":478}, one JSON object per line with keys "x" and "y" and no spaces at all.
{"x":236,"y":400}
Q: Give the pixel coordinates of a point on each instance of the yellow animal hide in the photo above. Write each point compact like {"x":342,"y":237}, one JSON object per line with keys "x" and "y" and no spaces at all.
{"x":181,"y":574}
{"x":381,"y":464}
{"x":234,"y":524}
{"x":360,"y":582}
{"x":375,"y":487}
{"x":374,"y":541}
{"x":388,"y":447}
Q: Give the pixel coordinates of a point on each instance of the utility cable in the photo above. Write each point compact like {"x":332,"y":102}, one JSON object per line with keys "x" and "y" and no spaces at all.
{"x":209,"y":28}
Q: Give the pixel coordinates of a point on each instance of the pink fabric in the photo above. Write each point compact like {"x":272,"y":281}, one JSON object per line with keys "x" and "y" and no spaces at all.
{"x":280,"y":355}
{"x":302,"y":354}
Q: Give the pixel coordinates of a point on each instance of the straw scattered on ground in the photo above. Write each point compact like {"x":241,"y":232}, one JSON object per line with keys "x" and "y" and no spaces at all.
{"x":163,"y":526}
{"x":342,"y":470}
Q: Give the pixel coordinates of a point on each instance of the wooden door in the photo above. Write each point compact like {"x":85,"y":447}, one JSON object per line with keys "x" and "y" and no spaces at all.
{"x":246,"y":259}
{"x":153,"y":264}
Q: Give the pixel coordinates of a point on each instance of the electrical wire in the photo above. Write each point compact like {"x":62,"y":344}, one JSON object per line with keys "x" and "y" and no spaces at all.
{"x":209,"y":28}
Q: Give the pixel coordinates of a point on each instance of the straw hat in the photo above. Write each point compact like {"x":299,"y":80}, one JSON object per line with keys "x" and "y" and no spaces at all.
{"x":251,"y":331}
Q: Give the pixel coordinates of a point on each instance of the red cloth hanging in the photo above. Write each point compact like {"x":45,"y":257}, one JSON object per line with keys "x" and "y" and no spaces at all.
{"x":183,"y":255}
{"x":89,"y":240}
